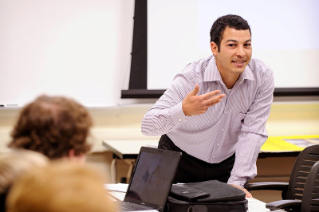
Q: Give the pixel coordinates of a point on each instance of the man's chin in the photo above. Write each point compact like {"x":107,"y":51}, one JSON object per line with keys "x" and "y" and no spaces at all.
{"x":238,"y":70}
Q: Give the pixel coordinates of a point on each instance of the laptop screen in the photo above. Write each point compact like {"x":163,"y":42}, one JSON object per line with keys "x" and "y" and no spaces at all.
{"x":153,"y":177}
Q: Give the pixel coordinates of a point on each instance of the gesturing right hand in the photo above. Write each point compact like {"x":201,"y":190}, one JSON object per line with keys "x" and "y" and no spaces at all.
{"x":195,"y":105}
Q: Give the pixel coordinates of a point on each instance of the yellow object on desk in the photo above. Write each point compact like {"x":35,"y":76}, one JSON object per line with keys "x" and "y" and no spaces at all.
{"x":289,"y":143}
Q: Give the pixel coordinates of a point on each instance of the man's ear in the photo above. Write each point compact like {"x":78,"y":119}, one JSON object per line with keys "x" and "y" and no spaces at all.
{"x":214,"y":48}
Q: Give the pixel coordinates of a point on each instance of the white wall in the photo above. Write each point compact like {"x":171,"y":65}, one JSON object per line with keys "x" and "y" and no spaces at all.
{"x":76,"y":48}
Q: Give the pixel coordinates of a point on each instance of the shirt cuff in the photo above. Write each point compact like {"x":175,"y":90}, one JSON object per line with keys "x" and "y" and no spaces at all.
{"x":177,"y":114}
{"x":239,"y":181}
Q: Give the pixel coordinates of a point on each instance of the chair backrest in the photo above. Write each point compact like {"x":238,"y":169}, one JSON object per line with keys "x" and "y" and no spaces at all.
{"x":305,"y":161}
{"x":310,"y":198}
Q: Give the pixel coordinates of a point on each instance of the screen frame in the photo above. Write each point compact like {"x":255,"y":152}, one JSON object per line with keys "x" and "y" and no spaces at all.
{"x":172,"y":154}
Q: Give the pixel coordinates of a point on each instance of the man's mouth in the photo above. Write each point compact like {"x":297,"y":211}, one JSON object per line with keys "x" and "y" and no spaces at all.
{"x":239,"y":63}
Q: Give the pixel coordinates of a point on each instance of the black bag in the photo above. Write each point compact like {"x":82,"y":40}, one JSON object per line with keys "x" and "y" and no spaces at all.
{"x":206,"y":196}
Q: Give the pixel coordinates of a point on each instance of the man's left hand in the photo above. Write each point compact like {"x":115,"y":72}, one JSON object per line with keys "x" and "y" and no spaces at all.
{"x":248,"y":194}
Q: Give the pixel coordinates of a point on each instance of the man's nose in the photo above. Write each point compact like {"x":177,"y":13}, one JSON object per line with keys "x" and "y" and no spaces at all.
{"x":241,"y":51}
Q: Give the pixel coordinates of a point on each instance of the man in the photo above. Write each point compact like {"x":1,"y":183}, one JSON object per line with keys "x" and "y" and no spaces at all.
{"x":57,"y":127}
{"x":216,"y":109}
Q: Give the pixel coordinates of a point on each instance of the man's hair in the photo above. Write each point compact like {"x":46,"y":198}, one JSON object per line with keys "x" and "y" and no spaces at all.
{"x":14,"y":165}
{"x":60,"y":187}
{"x":231,"y":21}
{"x":52,"y":126}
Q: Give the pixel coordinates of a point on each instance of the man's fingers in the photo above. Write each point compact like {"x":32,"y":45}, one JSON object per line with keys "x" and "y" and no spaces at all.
{"x":195,"y":105}
{"x":214,"y":100}
{"x":210,"y":94}
{"x":248,"y":194}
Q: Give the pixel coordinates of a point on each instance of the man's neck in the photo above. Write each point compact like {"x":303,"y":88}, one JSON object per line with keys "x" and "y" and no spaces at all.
{"x":229,"y":79}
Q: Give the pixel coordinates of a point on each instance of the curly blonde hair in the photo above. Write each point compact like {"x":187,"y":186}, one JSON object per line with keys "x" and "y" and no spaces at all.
{"x":53,"y":126}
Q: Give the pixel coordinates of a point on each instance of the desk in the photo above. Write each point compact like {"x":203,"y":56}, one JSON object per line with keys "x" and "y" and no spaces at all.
{"x":127,"y":150}
{"x":254,"y":205}
{"x":275,"y":146}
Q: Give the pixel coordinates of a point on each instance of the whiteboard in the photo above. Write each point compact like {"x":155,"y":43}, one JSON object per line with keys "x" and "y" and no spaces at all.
{"x":74,"y":48}
{"x":284,"y":35}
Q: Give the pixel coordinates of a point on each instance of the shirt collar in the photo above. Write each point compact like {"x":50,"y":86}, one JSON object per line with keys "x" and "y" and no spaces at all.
{"x":212,"y":74}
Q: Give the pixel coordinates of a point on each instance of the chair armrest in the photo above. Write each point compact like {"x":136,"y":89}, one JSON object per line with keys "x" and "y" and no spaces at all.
{"x":284,"y":204}
{"x":281,"y":186}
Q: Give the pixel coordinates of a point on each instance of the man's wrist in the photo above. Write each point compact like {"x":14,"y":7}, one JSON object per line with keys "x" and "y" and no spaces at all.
{"x":177,"y":115}
{"x":239,"y":181}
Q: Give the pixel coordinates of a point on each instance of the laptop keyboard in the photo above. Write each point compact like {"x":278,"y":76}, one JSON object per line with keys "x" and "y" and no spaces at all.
{"x":125,"y":206}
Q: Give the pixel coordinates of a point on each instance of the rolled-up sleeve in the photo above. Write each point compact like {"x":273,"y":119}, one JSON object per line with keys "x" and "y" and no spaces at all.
{"x":253,"y":133}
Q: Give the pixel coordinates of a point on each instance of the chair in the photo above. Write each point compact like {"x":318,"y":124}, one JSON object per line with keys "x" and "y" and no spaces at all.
{"x":297,"y":194}
{"x":310,"y":197}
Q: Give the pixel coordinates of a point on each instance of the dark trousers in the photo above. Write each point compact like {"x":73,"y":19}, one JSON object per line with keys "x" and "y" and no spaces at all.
{"x":191,"y":169}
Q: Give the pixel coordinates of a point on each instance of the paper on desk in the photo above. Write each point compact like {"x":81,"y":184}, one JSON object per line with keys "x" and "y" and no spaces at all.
{"x":116,"y":196}
{"x":121,"y":187}
{"x":257,"y":205}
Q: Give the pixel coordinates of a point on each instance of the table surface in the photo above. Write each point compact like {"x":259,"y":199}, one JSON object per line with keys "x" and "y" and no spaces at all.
{"x":254,"y":205}
{"x":274,"y":147}
{"x":127,"y":148}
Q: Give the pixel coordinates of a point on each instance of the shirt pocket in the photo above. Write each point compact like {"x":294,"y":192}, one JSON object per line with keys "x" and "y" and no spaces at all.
{"x":236,"y":121}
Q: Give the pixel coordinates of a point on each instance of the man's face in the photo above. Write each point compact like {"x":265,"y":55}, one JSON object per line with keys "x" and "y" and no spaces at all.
{"x":235,"y":52}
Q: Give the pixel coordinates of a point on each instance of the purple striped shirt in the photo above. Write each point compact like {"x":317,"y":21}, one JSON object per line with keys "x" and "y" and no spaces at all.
{"x":235,"y":125}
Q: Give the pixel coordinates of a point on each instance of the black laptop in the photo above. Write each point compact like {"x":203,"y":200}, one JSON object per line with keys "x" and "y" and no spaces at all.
{"x":151,"y":180}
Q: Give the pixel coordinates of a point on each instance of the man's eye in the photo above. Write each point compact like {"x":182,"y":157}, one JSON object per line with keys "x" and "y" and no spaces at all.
{"x":247,"y":44}
{"x":231,"y":45}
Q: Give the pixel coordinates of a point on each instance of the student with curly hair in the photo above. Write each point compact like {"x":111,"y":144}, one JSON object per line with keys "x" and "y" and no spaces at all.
{"x":57,"y":127}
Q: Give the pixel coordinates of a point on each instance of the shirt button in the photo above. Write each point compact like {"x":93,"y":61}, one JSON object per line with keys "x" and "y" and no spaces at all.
{"x":217,"y":144}
{"x":222,"y":129}
{"x":179,"y":120}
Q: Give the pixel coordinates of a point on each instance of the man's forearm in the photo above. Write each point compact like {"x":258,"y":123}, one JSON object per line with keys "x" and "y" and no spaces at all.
{"x":161,"y":121}
{"x":247,"y":151}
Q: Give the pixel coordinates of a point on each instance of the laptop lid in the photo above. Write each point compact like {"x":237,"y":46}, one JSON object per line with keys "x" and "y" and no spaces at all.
{"x":152,"y":177}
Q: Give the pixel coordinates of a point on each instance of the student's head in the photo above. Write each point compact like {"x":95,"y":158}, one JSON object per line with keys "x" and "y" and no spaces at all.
{"x":15,"y":164}
{"x":231,"y":44}
{"x":57,"y":127}
{"x":60,"y":187}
